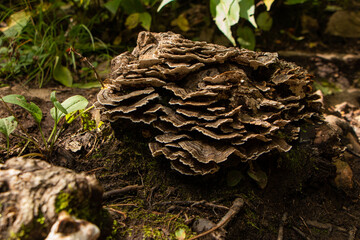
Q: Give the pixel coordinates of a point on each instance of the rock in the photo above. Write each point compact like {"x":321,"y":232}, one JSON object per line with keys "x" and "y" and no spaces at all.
{"x":203,"y":225}
{"x":33,"y":192}
{"x":209,"y":102}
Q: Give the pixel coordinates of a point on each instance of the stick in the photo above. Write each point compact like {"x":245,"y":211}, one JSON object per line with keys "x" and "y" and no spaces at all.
{"x":352,"y":233}
{"x":115,"y":192}
{"x":84,"y":59}
{"x":281,"y":228}
{"x":300,"y":233}
{"x":234,"y":209}
{"x":193,"y":204}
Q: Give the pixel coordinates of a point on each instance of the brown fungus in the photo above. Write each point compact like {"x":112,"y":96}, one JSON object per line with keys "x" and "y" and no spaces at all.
{"x":208,"y":101}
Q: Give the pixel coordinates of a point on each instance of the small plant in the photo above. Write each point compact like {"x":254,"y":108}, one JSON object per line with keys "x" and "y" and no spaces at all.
{"x":7,"y":126}
{"x":34,"y":40}
{"x":63,"y":114}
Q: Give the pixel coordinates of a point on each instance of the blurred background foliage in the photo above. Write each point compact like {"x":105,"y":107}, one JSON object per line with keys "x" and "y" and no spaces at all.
{"x":35,"y":36}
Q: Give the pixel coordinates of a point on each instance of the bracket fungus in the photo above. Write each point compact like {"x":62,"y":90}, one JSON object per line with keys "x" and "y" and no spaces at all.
{"x":210,"y":103}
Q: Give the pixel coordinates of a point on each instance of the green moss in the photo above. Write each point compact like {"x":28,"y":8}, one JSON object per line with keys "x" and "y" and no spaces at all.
{"x":83,"y":210}
{"x":35,"y":229}
{"x":63,"y":201}
{"x":295,"y":159}
{"x":150,"y":224}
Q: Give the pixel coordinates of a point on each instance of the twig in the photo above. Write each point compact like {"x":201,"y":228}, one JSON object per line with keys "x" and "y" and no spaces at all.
{"x":84,"y":59}
{"x":301,"y":233}
{"x":327,"y":226}
{"x":94,"y":170}
{"x":92,"y":148}
{"x":305,"y":224}
{"x":121,"y":204}
{"x":234,"y":209}
{"x":123,"y":190}
{"x":193,"y":204}
{"x":352,"y":233}
{"x":353,"y":152}
{"x":317,"y":224}
{"x":117,"y":211}
{"x":281,"y":228}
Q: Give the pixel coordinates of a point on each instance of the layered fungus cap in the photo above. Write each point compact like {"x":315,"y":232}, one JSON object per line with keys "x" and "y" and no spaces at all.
{"x":209,"y":103}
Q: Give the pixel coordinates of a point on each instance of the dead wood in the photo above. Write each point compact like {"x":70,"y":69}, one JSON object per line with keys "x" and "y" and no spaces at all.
{"x":33,"y":192}
{"x":234,"y":209}
{"x":113,"y":193}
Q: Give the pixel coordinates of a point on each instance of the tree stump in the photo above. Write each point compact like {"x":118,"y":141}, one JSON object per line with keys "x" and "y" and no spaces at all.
{"x":34,"y":192}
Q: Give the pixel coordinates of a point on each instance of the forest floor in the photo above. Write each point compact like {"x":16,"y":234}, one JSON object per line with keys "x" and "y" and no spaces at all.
{"x":154,"y":201}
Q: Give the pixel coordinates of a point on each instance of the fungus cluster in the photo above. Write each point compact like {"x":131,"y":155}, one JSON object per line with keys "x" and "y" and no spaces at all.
{"x":210,"y":103}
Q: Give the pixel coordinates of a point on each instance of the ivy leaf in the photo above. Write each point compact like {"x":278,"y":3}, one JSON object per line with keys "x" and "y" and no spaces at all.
{"x":234,"y":177}
{"x":112,"y":6}
{"x":31,"y":107}
{"x":247,"y":11}
{"x":181,"y":22}
{"x":226,"y":13}
{"x":246,"y":37}
{"x":265,"y":21}
{"x":71,"y":105}
{"x":145,"y":19}
{"x":268,"y":4}
{"x":7,"y":125}
{"x":163,"y":4}
{"x":259,"y":176}
{"x":62,"y":74}
{"x":132,"y":20}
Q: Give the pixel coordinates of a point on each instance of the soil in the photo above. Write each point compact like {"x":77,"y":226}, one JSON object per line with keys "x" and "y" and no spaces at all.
{"x":168,"y":201}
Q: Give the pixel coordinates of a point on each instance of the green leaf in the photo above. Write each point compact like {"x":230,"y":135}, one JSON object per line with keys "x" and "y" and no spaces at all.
{"x":135,"y":18}
{"x":259,"y":176}
{"x":7,"y":125}
{"x":265,"y":21}
{"x":268,"y":4}
{"x":180,"y":234}
{"x":95,"y":84}
{"x":247,"y":11}
{"x":181,"y":22}
{"x":71,"y":105}
{"x":132,"y":6}
{"x":234,"y":177}
{"x":132,"y":20}
{"x":226,"y":13}
{"x":145,"y":19}
{"x":56,"y":103}
{"x":246,"y":37}
{"x":163,"y":4}
{"x":16,"y":23}
{"x":112,"y":6}
{"x":31,"y":107}
{"x":62,"y":74}
{"x":292,"y":2}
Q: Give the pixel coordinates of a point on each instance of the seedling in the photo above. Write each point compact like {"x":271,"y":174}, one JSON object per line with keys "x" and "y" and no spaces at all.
{"x":66,"y":110}
{"x":7,"y":126}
